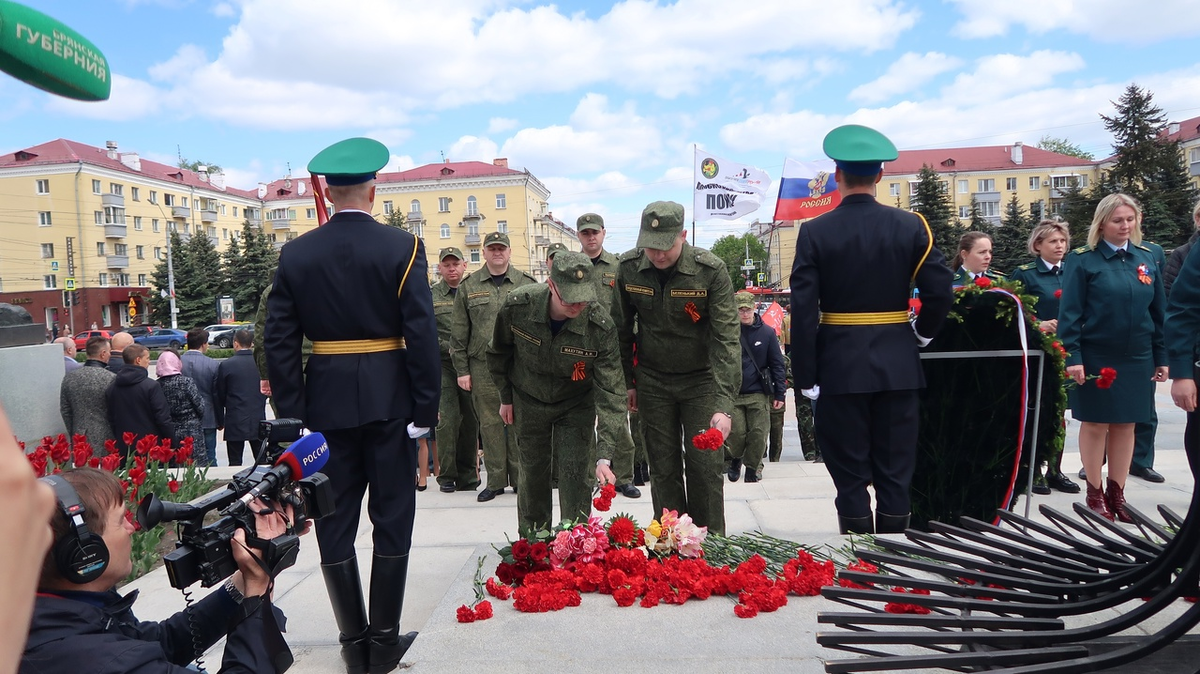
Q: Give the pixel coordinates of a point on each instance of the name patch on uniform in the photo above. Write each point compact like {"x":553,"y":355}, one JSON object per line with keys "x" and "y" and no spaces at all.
{"x":608,"y":275}
{"x":689,"y":293}
{"x":482,"y":293}
{"x":639,"y":290}
{"x":576,"y":351}
{"x":525,"y":335}
{"x":448,"y":303}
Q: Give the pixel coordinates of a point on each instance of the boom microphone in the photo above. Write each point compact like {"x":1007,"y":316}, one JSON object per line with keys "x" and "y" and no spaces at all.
{"x":302,"y":459}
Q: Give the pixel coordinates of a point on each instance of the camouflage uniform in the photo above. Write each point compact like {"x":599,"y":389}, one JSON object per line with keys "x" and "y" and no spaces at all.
{"x":458,"y":427}
{"x":475,"y":309}
{"x":623,"y":456}
{"x":558,"y":385}
{"x":689,"y":363}
{"x":804,"y":421}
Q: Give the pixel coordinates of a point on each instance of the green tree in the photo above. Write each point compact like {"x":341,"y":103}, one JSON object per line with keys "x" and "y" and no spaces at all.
{"x":194,"y":166}
{"x":732,"y":249}
{"x":198,"y":282}
{"x":932,"y":202}
{"x":978,"y":222}
{"x":247,"y":272}
{"x":1064,"y":146}
{"x":160,"y":305}
{"x":1010,"y":239}
{"x":397,"y":219}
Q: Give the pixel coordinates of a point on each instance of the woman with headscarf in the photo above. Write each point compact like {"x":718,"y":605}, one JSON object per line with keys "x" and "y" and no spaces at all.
{"x":184,"y":401}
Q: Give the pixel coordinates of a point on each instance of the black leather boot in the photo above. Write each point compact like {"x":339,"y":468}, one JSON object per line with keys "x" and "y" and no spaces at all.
{"x":855,"y":525}
{"x":388,"y":645}
{"x":890,"y":524}
{"x":345,"y":594}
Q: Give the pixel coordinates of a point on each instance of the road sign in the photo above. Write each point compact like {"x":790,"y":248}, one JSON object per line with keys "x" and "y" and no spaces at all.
{"x":748,"y":262}
{"x":748,"y":267}
{"x":54,"y":266}
{"x":132,"y":308}
{"x":762,"y":278}
{"x":70,"y":284}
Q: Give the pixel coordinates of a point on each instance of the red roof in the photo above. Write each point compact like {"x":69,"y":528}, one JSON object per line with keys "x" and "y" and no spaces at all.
{"x":971,"y":159}
{"x":62,"y":151}
{"x":1188,"y":129}
{"x":451,"y":170}
{"x":289,"y":188}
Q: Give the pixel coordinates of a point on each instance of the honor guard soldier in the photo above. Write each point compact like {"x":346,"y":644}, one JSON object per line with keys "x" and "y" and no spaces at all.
{"x":590,"y":228}
{"x":851,"y":334}
{"x":480,"y":297}
{"x":357,"y":289}
{"x":689,"y":360}
{"x":458,"y":427}
{"x":555,"y":360}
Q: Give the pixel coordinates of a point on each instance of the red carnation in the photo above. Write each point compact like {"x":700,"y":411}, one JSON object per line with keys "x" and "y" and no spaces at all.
{"x":710,"y":440}
{"x":465,"y":614}
{"x":983,"y":282}
{"x":483,"y":610}
{"x":1058,"y":293}
{"x":622,"y":531}
{"x":1107,"y":377}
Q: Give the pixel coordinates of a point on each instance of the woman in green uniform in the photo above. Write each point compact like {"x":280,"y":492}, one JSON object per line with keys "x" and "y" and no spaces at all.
{"x":1111,"y":316}
{"x":973,"y":259}
{"x":1042,"y":278}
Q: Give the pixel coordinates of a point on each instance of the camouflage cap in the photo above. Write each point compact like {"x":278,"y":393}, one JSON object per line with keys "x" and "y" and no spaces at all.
{"x":573,"y":274}
{"x":555,"y":248}
{"x":451,"y":252}
{"x":743,"y":300}
{"x":589,"y":221}
{"x":662,"y":221}
{"x":498,"y":238}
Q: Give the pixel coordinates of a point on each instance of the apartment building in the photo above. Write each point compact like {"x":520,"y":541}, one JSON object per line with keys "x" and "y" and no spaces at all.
{"x":1187,"y":133}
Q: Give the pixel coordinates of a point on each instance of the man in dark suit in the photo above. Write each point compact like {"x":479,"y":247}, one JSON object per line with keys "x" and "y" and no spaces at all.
{"x":851,"y":336}
{"x":116,"y":361}
{"x":136,"y":403}
{"x":358,"y":290}
{"x":239,"y":404}
{"x":203,"y":371}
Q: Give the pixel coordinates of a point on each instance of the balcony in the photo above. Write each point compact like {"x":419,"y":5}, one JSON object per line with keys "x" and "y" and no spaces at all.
{"x":473,"y":215}
{"x":114,"y":231}
{"x":472,"y":240}
{"x":181,"y":212}
{"x":113,"y":200}
{"x":414,"y":216}
{"x":116,"y":261}
{"x":541,"y":240}
{"x":208,"y":217}
{"x":255,"y":222}
{"x":282,"y":223}
{"x":982,"y":197}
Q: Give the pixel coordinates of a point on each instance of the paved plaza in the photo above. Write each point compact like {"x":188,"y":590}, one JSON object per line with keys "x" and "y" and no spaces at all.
{"x":794,"y":501}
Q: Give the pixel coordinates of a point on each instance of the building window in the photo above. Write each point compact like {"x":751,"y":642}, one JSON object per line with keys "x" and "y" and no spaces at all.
{"x":223,"y":210}
{"x":154,"y":225}
{"x":964,"y":186}
{"x":502,"y":226}
{"x":418,"y":230}
{"x":116,"y":188}
{"x":311,"y":213}
{"x":99,"y":249}
{"x":235,"y":211}
{"x":137,"y":222}
{"x":987,"y":185}
{"x":157,"y":253}
{"x":47,"y":251}
{"x":894,"y":189}
{"x":99,"y":216}
{"x":103,"y":279}
{"x":944,"y":186}
{"x":44,"y":218}
{"x":414,"y":206}
{"x":225,"y":234}
{"x":141,"y":279}
{"x":43,"y":186}
{"x":135,"y":194}
{"x":50,"y":281}
{"x":120,"y":249}
{"x":445,"y":231}
{"x":212,"y":232}
{"x":387,"y":208}
{"x":141,"y":252}
{"x":153,"y":197}
{"x":989,"y":209}
{"x":443,"y":204}
{"x":168,"y":199}
{"x":184,"y":201}
{"x":95,"y":187}
{"x":1067,"y":182}
{"x":1010,"y":184}
{"x":472,"y":206}
{"x":473,"y":228}
{"x":501,"y":201}
{"x":964,"y":211}
{"x":291,"y":214}
{"x":912,"y":188}
{"x":475,"y":255}
{"x":1036,"y":209}
{"x":1035,"y":182}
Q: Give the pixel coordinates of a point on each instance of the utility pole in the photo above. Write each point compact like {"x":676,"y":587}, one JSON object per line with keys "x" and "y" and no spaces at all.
{"x":70,"y":294}
{"x":171,"y":283}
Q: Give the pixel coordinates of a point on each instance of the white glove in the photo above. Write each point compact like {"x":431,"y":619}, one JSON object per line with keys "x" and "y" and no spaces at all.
{"x":922,"y":342}
{"x":415,"y":431}
{"x":811,"y":393}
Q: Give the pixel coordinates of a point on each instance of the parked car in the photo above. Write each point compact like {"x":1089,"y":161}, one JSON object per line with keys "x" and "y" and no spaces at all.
{"x":221,"y":334}
{"x":136,"y":331}
{"x":82,"y":338}
{"x":162,"y":338}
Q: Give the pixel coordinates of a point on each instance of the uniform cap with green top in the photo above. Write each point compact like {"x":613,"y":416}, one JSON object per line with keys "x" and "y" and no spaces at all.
{"x":662,"y":221}
{"x":350,"y":162}
{"x":589,"y":221}
{"x":859,"y":150}
{"x":572,"y":274}
{"x":555,"y":248}
{"x":496,"y":238}
{"x":450,"y":251}
{"x":743,"y":300}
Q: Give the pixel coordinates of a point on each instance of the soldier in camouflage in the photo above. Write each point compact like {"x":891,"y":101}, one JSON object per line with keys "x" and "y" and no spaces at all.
{"x":555,"y":361}
{"x":480,"y":297}
{"x":458,"y":428}
{"x":689,"y":360}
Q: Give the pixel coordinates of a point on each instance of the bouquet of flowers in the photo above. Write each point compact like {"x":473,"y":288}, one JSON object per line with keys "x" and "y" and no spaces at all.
{"x":675,"y":534}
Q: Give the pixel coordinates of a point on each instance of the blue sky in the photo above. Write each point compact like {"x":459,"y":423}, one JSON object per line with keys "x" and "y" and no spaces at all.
{"x":602,"y":101}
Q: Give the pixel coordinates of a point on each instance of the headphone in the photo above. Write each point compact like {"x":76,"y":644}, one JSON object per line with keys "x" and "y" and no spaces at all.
{"x":81,"y":556}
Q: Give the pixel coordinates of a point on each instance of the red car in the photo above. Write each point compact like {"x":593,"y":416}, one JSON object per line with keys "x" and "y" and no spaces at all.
{"x":82,"y":338}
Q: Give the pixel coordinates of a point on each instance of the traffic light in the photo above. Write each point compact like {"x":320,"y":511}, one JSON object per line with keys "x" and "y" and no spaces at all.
{"x":66,"y":298}
{"x":74,"y":298}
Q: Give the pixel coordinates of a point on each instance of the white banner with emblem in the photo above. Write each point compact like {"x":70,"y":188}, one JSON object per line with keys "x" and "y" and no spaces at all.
{"x":726,"y":190}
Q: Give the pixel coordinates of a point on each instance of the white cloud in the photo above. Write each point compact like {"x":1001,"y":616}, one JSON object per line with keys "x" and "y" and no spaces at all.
{"x":471,"y":148}
{"x":500,"y":125}
{"x":223,"y":10}
{"x":999,"y":75}
{"x":1113,"y":21}
{"x":399,"y":163}
{"x":390,"y":137}
{"x":130,"y":99}
{"x":908,"y":73}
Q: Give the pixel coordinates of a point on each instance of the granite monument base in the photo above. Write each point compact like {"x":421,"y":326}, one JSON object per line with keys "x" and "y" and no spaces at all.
{"x":30,"y":378}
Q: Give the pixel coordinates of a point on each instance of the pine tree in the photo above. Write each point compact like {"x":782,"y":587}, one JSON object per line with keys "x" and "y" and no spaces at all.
{"x":932,"y":202}
{"x":198,"y":284}
{"x":1010,"y":239}
{"x":160,"y":306}
{"x":250,"y":273}
{"x":978,"y":222}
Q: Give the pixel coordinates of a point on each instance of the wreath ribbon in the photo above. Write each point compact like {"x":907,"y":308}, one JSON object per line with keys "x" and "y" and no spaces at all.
{"x":1024,"y":339}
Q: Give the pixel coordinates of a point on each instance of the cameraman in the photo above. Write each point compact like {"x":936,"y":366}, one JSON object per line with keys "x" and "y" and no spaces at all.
{"x":89,"y":627}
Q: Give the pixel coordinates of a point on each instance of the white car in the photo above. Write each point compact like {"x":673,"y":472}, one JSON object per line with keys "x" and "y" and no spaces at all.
{"x":221,"y":335}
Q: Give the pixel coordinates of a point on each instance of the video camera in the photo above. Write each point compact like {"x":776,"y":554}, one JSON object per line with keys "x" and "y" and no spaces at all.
{"x":203,"y":552}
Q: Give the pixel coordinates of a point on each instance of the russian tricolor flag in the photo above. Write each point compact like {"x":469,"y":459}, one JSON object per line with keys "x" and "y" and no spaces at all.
{"x":806,"y":190}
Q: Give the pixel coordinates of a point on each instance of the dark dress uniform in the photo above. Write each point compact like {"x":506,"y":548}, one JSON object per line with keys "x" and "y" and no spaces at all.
{"x":559,"y":385}
{"x":1042,"y":282}
{"x":963,"y":277}
{"x":1110,"y":318}
{"x":851,"y":335}
{"x":458,"y":427}
{"x":1144,"y":431}
{"x":1182,"y":339}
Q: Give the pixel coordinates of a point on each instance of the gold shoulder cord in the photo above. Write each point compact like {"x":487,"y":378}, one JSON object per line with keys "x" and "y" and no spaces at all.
{"x":929,"y":247}
{"x":414,"y":259}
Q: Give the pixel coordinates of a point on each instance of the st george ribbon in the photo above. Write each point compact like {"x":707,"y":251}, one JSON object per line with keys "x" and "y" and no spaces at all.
{"x":807,"y":190}
{"x":726,"y":190}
